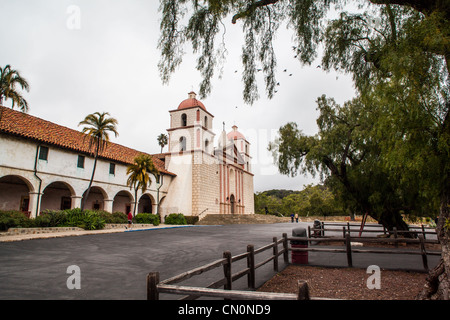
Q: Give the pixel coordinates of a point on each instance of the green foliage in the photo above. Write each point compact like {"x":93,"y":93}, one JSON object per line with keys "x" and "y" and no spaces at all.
{"x":9,"y":80}
{"x":14,"y":219}
{"x":191,"y":219}
{"x":139,"y":174}
{"x":176,"y":219}
{"x":312,"y":200}
{"x":115,"y":217}
{"x":348,"y":154}
{"x":147,"y":218}
{"x":50,"y":219}
{"x":260,"y":21}
{"x":88,"y":220}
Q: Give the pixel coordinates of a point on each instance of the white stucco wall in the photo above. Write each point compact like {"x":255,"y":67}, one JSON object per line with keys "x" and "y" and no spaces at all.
{"x":17,"y":158}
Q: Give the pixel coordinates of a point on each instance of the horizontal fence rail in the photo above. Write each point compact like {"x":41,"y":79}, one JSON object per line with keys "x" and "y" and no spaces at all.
{"x":327,"y":226}
{"x":155,"y":286}
{"x":347,"y":241}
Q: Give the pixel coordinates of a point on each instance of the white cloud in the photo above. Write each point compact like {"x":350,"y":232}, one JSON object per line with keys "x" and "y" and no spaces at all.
{"x":110,"y":64}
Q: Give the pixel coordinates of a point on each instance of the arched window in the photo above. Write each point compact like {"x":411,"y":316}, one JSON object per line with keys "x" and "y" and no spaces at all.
{"x":206,"y":122}
{"x":183,"y":144}
{"x":198,"y":138}
{"x":206,"y":145}
{"x":184,"y":120}
{"x":233,"y":204}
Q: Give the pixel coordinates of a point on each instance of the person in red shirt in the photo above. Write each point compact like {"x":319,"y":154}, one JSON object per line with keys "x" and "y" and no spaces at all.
{"x":130,"y":220}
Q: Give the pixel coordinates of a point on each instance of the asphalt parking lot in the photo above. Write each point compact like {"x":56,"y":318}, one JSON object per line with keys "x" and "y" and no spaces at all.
{"x":115,"y":266}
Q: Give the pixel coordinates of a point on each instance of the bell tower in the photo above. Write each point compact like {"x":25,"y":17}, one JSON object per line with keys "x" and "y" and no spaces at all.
{"x":191,"y":127}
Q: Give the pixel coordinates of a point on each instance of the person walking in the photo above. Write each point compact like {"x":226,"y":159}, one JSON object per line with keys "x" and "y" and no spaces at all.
{"x":292,"y":217}
{"x":130,"y":220}
{"x":296,"y":217}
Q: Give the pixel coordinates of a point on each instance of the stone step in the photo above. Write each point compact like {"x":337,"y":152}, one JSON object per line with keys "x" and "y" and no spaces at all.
{"x":218,"y":219}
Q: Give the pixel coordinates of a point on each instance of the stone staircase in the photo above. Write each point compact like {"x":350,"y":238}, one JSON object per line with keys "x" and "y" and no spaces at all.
{"x":220,"y":219}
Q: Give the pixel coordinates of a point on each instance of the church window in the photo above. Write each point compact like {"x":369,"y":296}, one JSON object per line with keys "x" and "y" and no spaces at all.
{"x":206,"y":122}
{"x":182,"y":144}
{"x":80,"y":163}
{"x":112,"y":168}
{"x":43,"y":153}
{"x":184,"y":120}
{"x":206,"y":145}
{"x":198,"y":138}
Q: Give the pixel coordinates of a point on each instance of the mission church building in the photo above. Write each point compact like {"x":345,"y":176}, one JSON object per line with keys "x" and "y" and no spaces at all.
{"x":45,"y":166}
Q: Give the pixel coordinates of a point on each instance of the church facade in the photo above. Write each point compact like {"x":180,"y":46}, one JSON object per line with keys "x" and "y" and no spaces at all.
{"x":45,"y":166}
{"x":215,"y":175}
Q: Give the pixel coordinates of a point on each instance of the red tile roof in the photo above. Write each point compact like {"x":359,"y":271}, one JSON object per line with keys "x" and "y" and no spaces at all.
{"x":30,"y":127}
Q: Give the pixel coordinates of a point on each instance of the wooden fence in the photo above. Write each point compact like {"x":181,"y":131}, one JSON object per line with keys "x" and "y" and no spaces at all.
{"x":349,"y":250}
{"x":155,"y":286}
{"x":348,"y":228}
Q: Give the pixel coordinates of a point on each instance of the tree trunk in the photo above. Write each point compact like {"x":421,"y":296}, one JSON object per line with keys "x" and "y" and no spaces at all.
{"x":135,"y":200}
{"x":393,"y":219}
{"x":437,"y":285}
{"x":83,"y":201}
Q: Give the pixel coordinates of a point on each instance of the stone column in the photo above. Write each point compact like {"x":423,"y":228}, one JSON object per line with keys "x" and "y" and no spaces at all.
{"x":35,"y":203}
{"x":76,"y":202}
{"x":108,"y":205}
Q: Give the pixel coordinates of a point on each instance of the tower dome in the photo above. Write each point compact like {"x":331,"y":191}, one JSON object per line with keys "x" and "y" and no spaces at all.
{"x":235,"y":134}
{"x":191,"y":102}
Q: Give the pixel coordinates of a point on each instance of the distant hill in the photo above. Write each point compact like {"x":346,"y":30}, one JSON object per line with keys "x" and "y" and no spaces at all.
{"x":279,"y":193}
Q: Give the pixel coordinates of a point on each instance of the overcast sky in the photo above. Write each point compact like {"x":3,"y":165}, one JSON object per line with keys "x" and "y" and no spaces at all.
{"x":105,"y":59}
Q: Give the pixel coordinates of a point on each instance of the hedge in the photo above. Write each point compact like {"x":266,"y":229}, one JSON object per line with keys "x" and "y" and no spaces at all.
{"x":88,"y":219}
{"x":147,"y":218}
{"x":175,"y":218}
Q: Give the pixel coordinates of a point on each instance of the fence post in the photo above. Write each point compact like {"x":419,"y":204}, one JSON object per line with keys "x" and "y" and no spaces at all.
{"x":395,"y":236}
{"x":286,"y":248}
{"x":423,"y":232}
{"x":323,"y":229}
{"x":348,"y":246}
{"x":251,"y":266}
{"x":348,"y":227}
{"x":303,"y":290}
{"x":152,"y":286}
{"x":227,"y":270}
{"x":343,"y":232}
{"x":423,"y":252}
{"x":275,"y":254}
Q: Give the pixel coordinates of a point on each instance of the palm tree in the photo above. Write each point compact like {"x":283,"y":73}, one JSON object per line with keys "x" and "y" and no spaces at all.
{"x":139,"y":177}
{"x":162,"y":140}
{"x":9,"y":79}
{"x":97,"y":128}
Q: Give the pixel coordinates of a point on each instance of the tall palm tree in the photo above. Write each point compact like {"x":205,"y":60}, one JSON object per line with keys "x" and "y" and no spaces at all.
{"x":97,"y":128}
{"x":162,"y":140}
{"x":139,"y":175}
{"x":9,"y":79}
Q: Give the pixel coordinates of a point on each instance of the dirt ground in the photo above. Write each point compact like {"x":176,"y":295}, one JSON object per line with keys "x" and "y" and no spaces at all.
{"x":347,"y":283}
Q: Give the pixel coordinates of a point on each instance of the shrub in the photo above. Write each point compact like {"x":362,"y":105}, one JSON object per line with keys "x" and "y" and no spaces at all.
{"x":14,"y":219}
{"x":50,"y":219}
{"x":147,"y":218}
{"x":88,"y":220}
{"x":191,"y":219}
{"x":176,"y":218}
{"x":115,"y":217}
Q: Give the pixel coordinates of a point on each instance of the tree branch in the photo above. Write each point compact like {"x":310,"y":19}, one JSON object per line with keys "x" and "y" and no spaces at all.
{"x":424,"y":6}
{"x":251,"y":8}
